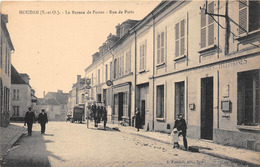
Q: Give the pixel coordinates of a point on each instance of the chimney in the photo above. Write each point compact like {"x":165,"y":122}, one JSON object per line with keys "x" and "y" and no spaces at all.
{"x":25,"y":77}
{"x":118,"y":30}
{"x":78,"y":77}
{"x":43,"y":94}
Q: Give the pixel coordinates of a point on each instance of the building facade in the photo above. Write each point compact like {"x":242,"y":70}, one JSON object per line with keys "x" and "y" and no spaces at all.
{"x":21,"y":95}
{"x":6,"y":47}
{"x":195,"y":58}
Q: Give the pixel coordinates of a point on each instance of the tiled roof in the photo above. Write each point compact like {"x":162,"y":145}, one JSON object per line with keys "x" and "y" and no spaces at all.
{"x":15,"y":77}
{"x":62,"y":98}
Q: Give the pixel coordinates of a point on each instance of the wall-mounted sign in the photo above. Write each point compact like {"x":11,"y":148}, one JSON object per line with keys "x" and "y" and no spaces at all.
{"x":109,"y":83}
{"x":192,"y":106}
{"x":226,"y":105}
{"x":88,"y":87}
{"x":225,"y":91}
{"x":88,"y":81}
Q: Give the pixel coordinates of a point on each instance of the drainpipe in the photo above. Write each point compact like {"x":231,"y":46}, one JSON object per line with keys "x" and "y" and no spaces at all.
{"x":153,"y":68}
{"x":135,"y":71}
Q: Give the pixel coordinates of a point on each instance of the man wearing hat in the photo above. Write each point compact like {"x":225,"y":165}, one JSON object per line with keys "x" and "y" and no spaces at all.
{"x":43,"y":119}
{"x":29,"y":119}
{"x":181,"y":126}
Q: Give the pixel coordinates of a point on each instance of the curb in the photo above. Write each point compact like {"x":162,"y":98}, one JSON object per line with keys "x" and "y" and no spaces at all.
{"x":10,"y":145}
{"x":203,"y":151}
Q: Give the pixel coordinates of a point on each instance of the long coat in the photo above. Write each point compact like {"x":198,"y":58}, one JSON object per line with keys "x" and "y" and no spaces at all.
{"x":42,"y":118}
{"x":29,"y":117}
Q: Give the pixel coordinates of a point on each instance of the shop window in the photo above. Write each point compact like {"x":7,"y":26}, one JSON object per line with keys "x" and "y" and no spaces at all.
{"x":248,"y":98}
{"x":160,"y":101}
{"x":16,"y":111}
{"x":125,"y":105}
{"x":207,"y":27}
{"x":249,"y":14}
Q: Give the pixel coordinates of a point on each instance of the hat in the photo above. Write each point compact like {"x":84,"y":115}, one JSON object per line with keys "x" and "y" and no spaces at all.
{"x":175,"y":130}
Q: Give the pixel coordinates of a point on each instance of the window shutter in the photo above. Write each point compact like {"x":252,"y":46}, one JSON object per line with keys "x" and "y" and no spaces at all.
{"x":203,"y":29}
{"x":162,"y":47}
{"x":129,"y":60}
{"x":182,"y":37}
{"x":140,"y":64}
{"x":123,"y":64}
{"x":177,"y":48}
{"x":211,"y":25}
{"x":165,"y":45}
{"x":243,"y":16}
{"x":158,"y":48}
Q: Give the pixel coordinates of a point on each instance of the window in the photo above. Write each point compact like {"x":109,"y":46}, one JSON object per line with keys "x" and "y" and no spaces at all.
{"x":248,"y":98}
{"x":128,"y":61}
{"x":14,"y":94}
{"x":92,"y":79}
{"x":160,"y":102}
{"x":111,"y":71}
{"x":180,"y":38}
{"x":207,"y":27}
{"x":179,"y":99}
{"x":98,"y":76}
{"x":249,"y":14}
{"x":160,"y":48}
{"x":6,"y":99}
{"x":6,"y":60}
{"x":122,"y":63}
{"x":115,"y":68}
{"x":142,"y":56}
{"x":16,"y":111}
{"x":106,"y":72}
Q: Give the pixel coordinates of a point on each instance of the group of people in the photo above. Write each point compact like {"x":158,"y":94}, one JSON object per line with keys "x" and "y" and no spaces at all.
{"x":99,"y":113}
{"x":29,"y":119}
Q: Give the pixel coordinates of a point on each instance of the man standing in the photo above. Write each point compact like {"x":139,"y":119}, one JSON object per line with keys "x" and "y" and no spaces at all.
{"x":43,"y":119}
{"x":94,"y":111}
{"x":29,"y":119}
{"x":138,"y":119}
{"x":181,"y":126}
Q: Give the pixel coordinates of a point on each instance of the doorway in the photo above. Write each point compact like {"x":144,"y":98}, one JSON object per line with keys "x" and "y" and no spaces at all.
{"x":207,"y":108}
{"x":143,"y":112}
{"x":120,"y":107}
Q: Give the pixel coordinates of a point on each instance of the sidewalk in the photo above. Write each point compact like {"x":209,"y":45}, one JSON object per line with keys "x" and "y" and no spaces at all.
{"x":240,"y":155}
{"x":8,"y":136}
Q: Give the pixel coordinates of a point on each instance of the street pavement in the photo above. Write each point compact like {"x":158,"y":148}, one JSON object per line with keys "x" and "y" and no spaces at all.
{"x":73,"y":144}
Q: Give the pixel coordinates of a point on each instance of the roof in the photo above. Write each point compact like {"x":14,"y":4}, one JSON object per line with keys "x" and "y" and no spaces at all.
{"x":61,"y":98}
{"x":42,"y":101}
{"x":16,"y":77}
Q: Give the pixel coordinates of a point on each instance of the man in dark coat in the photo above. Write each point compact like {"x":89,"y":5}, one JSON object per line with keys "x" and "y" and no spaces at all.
{"x":94,"y":111}
{"x":138,"y":118}
{"x":105,"y":116}
{"x":181,"y":126}
{"x":43,"y":119}
{"x":29,"y":119}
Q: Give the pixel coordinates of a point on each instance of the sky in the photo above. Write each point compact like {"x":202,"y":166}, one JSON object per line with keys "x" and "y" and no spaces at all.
{"x":54,"y":41}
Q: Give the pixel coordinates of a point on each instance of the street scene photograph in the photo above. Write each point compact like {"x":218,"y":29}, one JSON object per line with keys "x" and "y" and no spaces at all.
{"x":120,"y":83}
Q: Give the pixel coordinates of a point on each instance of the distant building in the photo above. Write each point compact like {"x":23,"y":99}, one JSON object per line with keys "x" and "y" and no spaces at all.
{"x":55,"y":104}
{"x":22,"y":95}
{"x":6,"y":47}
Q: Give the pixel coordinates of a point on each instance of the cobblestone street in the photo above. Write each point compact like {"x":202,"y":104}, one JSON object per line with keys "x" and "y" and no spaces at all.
{"x":67,"y":144}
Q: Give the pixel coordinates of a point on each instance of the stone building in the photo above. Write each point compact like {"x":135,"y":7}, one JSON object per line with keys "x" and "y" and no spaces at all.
{"x":197,"y":58}
{"x":6,"y":48}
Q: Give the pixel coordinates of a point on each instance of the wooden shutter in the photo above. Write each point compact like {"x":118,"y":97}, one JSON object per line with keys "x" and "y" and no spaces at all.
{"x":158,"y":48}
{"x":145,"y":52}
{"x":162,"y":46}
{"x":203,"y":29}
{"x":123,"y":64}
{"x":177,"y":48}
{"x":210,"y":24}
{"x":243,"y":14}
{"x":141,"y":56}
{"x":182,"y":33}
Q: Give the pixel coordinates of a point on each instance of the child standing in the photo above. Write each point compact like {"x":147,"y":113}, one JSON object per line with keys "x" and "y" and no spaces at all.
{"x":175,"y":138}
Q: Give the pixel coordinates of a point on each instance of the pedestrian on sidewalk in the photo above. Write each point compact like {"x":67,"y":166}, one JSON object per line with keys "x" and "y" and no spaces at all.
{"x":175,"y":138}
{"x":29,"y":120}
{"x":138,"y":119}
{"x":181,"y":126}
{"x":105,"y":116}
{"x":94,"y":111}
{"x":43,"y":119}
